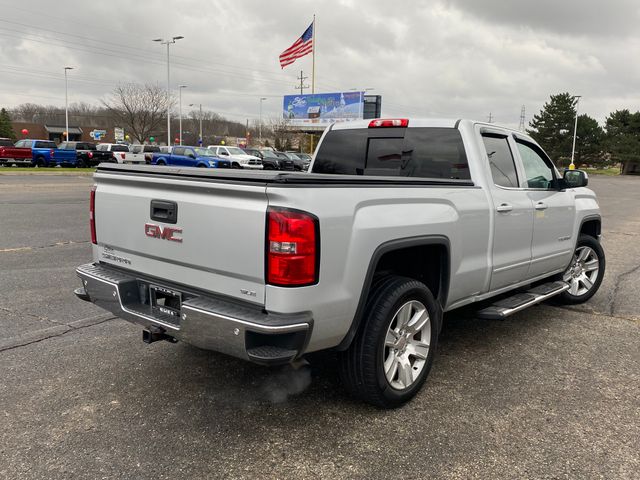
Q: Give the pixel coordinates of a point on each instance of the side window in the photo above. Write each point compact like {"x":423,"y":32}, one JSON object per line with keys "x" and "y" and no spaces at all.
{"x":21,"y":143}
{"x":537,"y":169}
{"x":503,"y":168}
{"x":178,"y":151}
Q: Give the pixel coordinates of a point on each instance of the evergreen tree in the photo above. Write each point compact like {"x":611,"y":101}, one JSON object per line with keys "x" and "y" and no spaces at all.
{"x":6,"y":129}
{"x":623,"y":135}
{"x":589,"y":141}
{"x":552,"y":128}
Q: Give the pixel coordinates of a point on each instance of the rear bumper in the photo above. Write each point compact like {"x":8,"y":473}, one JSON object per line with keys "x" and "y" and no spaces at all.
{"x":238,"y":329}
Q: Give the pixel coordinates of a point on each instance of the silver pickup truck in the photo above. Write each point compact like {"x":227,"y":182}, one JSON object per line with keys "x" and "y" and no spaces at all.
{"x":399,"y":221}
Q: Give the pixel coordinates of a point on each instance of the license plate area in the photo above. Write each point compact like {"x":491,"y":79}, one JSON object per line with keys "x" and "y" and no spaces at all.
{"x":165,"y":302}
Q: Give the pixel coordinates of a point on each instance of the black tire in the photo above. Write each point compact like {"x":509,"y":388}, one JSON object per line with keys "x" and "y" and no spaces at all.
{"x":361,"y":366}
{"x":235,"y":165}
{"x":571,"y":297}
{"x":40,"y":162}
{"x":81,"y":163}
{"x":202,"y":165}
{"x":160,"y":162}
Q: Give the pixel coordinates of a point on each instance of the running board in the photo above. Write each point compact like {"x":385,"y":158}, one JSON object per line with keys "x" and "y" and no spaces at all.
{"x":520,"y":301}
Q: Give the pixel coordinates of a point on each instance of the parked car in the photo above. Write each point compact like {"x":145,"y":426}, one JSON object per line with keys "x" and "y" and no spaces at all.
{"x":238,"y":158}
{"x":41,"y":151}
{"x":190,"y":157}
{"x":284,"y":163}
{"x":80,"y":154}
{"x":400,"y":221}
{"x":146,"y":150}
{"x":11,"y":155}
{"x":298,"y":164}
{"x":121,"y":153}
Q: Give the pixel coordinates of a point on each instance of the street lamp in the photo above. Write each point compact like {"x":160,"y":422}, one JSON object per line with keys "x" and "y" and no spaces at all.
{"x":66,"y":102}
{"x":180,"y":87}
{"x":167,"y":43}
{"x":260,"y":124}
{"x":200,"y":140}
{"x":575,"y":130}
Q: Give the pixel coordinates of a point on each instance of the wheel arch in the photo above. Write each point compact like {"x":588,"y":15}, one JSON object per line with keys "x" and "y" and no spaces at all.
{"x":401,"y":254}
{"x":591,"y":225}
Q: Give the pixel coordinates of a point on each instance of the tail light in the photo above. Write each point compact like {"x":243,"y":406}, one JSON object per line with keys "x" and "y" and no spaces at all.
{"x":389,"y":122}
{"x":92,"y":215}
{"x":122,"y":155}
{"x":90,"y":155}
{"x":293,"y":248}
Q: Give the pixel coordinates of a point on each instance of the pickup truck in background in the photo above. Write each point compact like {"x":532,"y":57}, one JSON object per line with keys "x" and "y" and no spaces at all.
{"x":121,"y":153}
{"x":10,"y":155}
{"x":190,"y":157}
{"x":80,"y":154}
{"x":146,"y":150}
{"x":237,"y":156}
{"x":399,"y":221}
{"x":41,"y":151}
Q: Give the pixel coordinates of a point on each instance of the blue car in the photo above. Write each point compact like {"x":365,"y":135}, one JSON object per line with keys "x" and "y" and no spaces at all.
{"x":43,"y":151}
{"x":190,"y":157}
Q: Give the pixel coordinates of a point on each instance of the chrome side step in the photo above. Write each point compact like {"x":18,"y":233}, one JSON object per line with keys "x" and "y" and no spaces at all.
{"x":520,"y":301}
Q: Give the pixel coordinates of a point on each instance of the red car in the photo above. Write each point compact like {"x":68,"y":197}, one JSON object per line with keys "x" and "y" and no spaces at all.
{"x":10,"y":154}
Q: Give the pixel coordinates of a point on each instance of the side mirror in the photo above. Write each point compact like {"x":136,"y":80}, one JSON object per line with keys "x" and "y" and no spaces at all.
{"x":575,"y":178}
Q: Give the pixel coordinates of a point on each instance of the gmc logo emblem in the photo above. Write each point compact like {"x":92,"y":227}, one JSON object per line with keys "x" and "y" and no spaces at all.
{"x":165,"y":233}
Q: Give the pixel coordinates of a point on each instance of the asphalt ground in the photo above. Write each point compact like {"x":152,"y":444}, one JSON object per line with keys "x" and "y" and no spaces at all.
{"x":548,"y":393}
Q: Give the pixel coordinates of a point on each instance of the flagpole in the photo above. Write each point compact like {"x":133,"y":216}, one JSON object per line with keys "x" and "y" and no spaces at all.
{"x":313,"y":54}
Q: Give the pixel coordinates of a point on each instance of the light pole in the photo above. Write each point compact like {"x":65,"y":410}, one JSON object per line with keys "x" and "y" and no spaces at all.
{"x":66,"y":102}
{"x":260,"y":121}
{"x":200,"y":139}
{"x":167,"y":43}
{"x":575,"y":130}
{"x":180,"y":87}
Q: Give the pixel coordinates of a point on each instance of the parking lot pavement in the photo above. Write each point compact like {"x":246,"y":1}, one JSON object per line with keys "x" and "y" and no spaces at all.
{"x":548,"y":393}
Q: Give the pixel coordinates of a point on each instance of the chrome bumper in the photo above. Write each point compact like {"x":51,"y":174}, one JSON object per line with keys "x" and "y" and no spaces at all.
{"x":238,"y":329}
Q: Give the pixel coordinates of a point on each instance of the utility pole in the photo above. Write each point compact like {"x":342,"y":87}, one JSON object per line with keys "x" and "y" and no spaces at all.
{"x":490,"y":118}
{"x":167,"y":43}
{"x":522,"y":117}
{"x":66,"y":103}
{"x":302,"y":86}
{"x":260,"y":121}
{"x":180,"y":87}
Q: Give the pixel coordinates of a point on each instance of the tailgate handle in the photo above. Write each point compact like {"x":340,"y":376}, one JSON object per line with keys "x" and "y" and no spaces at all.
{"x":164,"y":211}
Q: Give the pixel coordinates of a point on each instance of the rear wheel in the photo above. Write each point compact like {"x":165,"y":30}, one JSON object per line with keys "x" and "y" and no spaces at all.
{"x":160,"y":162}
{"x":40,"y":162}
{"x":389,"y":359}
{"x":585,"y":272}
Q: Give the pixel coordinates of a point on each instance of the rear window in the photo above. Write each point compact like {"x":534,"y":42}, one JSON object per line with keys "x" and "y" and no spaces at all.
{"x":151,"y":148}
{"x":41,"y":144}
{"x":410,"y":152}
{"x":119,"y":148}
{"x":6,"y":142}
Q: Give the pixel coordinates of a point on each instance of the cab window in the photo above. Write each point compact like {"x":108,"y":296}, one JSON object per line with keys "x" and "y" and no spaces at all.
{"x":503,"y":168}
{"x":538,"y":169}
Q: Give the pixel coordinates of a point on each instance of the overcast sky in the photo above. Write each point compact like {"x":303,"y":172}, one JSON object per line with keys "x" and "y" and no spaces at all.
{"x":445,"y":58}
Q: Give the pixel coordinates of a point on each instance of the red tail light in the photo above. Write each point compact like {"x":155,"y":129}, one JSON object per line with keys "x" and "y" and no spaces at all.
{"x":90,"y":155}
{"x":389,"y":122}
{"x":122,"y":155}
{"x":92,"y":215}
{"x":52,"y":153}
{"x":293,"y":248}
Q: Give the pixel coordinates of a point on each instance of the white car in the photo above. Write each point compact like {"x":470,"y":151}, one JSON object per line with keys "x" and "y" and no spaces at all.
{"x":121,"y":153}
{"x":239,"y":159}
{"x":146,"y":150}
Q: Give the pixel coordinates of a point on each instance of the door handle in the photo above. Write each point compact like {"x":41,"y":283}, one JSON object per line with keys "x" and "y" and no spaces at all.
{"x":541,"y":206}
{"x":504,"y":207}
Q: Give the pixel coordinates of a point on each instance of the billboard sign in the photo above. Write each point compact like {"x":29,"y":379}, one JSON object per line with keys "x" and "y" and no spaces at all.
{"x":321,"y":109}
{"x":118,"y":134}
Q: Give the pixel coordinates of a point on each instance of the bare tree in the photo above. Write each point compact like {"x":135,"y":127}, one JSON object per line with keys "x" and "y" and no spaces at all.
{"x":140,"y":109}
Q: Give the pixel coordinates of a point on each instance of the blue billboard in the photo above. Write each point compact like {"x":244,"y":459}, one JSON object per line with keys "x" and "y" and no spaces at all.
{"x":319,"y":109}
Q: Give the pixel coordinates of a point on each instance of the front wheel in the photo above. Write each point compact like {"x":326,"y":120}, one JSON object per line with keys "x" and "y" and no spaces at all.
{"x":585,"y":272}
{"x":389,"y":359}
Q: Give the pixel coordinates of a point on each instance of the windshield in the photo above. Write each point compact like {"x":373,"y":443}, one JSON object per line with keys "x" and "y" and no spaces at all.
{"x":235,"y":151}
{"x":204,"y":152}
{"x":268,"y":154}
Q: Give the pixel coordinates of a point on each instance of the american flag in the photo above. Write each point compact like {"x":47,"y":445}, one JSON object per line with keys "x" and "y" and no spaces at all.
{"x":300,"y":48}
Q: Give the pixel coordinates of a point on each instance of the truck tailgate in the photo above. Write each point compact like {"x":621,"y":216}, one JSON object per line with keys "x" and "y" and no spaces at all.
{"x":217,"y":241}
